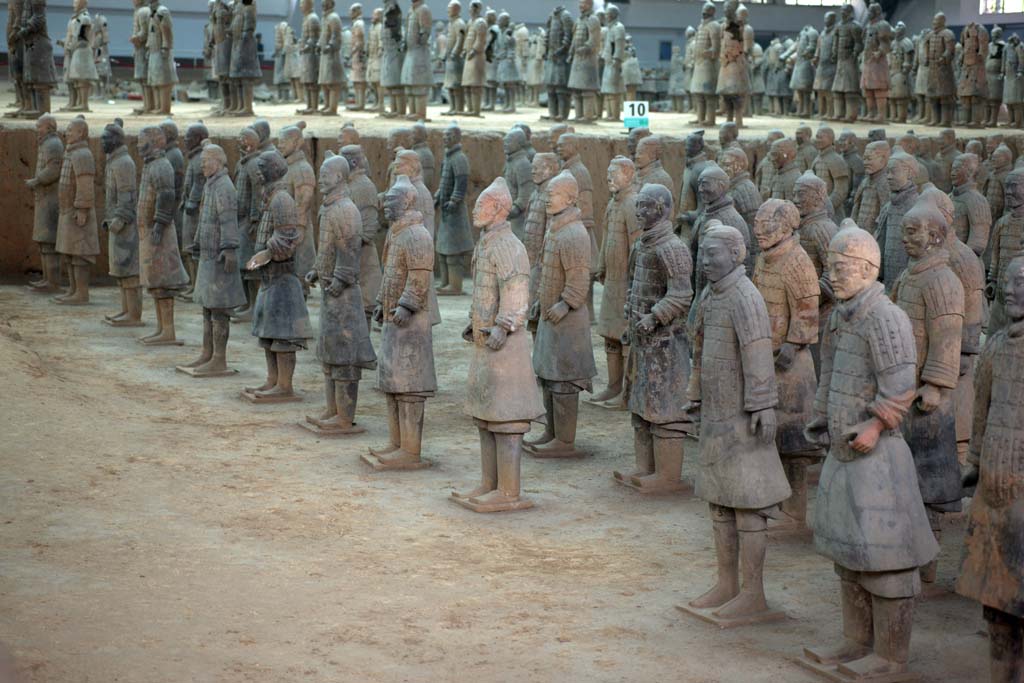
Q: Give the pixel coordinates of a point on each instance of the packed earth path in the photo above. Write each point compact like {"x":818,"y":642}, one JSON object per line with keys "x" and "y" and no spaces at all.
{"x":156,"y":528}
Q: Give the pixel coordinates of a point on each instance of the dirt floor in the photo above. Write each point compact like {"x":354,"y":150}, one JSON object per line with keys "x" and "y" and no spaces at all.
{"x":155,"y":528}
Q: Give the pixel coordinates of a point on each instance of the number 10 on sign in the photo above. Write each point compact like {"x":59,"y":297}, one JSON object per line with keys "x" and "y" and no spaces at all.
{"x":634,"y":114}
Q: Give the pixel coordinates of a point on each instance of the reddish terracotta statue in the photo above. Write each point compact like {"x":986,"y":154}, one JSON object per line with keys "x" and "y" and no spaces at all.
{"x":933,"y":298}
{"x":563,"y":357}
{"x":973,"y":217}
{"x":405,"y":369}
{"x":740,"y":474}
{"x":744,"y":193}
{"x":649,"y":169}
{"x":544,"y":167}
{"x":787,"y":280}
{"x":78,"y":240}
{"x":363,"y":194}
{"x":44,"y":184}
{"x":783,"y":156}
{"x":869,"y":518}
{"x":657,"y":306}
{"x":764,"y":174}
{"x":991,"y":570}
{"x":1007,"y":244}
{"x":501,"y":393}
{"x":873,"y":191}
{"x":250,"y":202}
{"x":888,"y":229}
{"x":343,"y":345}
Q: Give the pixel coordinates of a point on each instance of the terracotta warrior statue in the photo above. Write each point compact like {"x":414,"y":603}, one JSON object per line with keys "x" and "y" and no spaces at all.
{"x":309,"y":42}
{"x":330,"y":78}
{"x":193,"y":181}
{"x":831,"y":168}
{"x":848,"y":147}
{"x":825,"y":67}
{"x":971,"y":87}
{"x":806,"y":149}
{"x":971,"y":272}
{"x":783,"y":155}
{"x":746,"y":198}
{"x":507,"y":71}
{"x":421,"y":145}
{"x":901,"y":63}
{"x":474,"y":59}
{"x":501,"y":393}
{"x":300,"y":181}
{"x":1007,"y":242}
{"x":16,"y":61}
{"x":162,"y":74}
{"x":78,"y":241}
{"x":556,"y":66}
{"x":417,"y":76}
{"x":215,"y":248}
{"x":613,"y":53}
{"x":994,"y":77}
{"x":696,"y":162}
{"x":942,"y":166}
{"x":707,"y":46}
{"x":221,"y":19}
{"x":543,"y":168}
{"x":454,"y":239}
{"x":44,"y":185}
{"x":79,"y":67}
{"x":999,"y":163}
{"x":874,"y":79}
{"x":491,"y":65}
{"x":736,"y":413}
{"x":358,"y":55}
{"x":36,"y":50}
{"x":568,"y":149}
{"x":989,"y":573}
{"x":888,"y":230}
{"x":802,"y":80}
{"x":405,"y":370}
{"x":245,"y":62}
{"x":869,"y":518}
{"x":584,"y":76}
{"x":250,"y":202}
{"x":120,"y":192}
{"x":363,"y":193}
{"x":939,"y":47}
{"x":657,"y":305}
{"x":933,"y":298}
{"x":788,"y":282}
{"x":454,"y":62}
{"x":810,"y":195}
{"x":392,"y":59}
{"x":280,"y":320}
{"x":846,"y":52}
{"x":519,"y":178}
{"x":764,"y":173}
{"x":649,"y":169}
{"x":677,"y":87}
{"x":343,"y":343}
{"x":737,"y":44}
{"x":162,"y":273}
{"x":716,"y":205}
{"x":613,"y":264}
{"x":374,"y":56}
{"x":563,"y":357}
{"x":873,"y":192}
{"x":973,"y":219}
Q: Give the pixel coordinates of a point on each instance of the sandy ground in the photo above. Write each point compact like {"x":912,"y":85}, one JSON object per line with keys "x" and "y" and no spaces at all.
{"x":103,"y":111}
{"x":155,"y":528}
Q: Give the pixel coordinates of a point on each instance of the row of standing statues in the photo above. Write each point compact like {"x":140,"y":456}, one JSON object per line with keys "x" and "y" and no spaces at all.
{"x":744,"y":319}
{"x":845,"y":71}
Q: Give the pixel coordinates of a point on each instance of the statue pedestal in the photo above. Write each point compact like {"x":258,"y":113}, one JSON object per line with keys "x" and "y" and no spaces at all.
{"x":321,"y":431}
{"x":708,"y":616}
{"x":253,"y":398}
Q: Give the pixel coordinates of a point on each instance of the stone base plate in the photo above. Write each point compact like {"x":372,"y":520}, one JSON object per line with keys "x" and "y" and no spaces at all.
{"x":320,"y":431}
{"x":176,"y":342}
{"x":684,"y":487}
{"x":830,"y":672}
{"x":117,"y":323}
{"x":521,"y":504}
{"x":555,"y":455}
{"x":253,"y":398}
{"x":217,"y":373}
{"x":378,"y":466}
{"x":706,"y":615}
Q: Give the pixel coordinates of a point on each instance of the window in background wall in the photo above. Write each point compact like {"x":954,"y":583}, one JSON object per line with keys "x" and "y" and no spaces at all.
{"x":665,"y":51}
{"x":1001,"y":6}
{"x":821,"y":3}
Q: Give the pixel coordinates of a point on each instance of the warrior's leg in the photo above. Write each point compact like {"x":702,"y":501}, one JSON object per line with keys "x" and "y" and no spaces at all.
{"x":207,"y":351}
{"x":220,"y":330}
{"x":613,"y":352}
{"x":285,"y":374}
{"x":410,"y":417}
{"x":858,"y":627}
{"x":394,"y":428}
{"x":1006,"y":655}
{"x":753,"y":543}
{"x":893,"y":622}
{"x":488,"y":466}
{"x":643,"y":450}
{"x":727,"y":586}
{"x":668,"y":461}
{"x":271,"y":359}
{"x":549,"y":425}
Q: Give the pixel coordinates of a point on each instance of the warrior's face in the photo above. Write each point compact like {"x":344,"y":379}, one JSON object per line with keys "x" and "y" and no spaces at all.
{"x":710,"y":189}
{"x":559,"y":198}
{"x":919,"y":235}
{"x":769,"y":230}
{"x":961,"y":172}
{"x":109,"y":141}
{"x":1014,"y":289}
{"x":849,"y":275}
{"x":645,"y":154}
{"x":454,"y":10}
{"x":210,"y":162}
{"x":899,"y":175}
{"x":694,"y":145}
{"x":394,"y":204}
{"x":617,"y":177}
{"x":585,"y":6}
{"x":288,"y":144}
{"x":874,"y":161}
{"x":823,"y":139}
{"x":247,"y":141}
{"x":717,"y":259}
{"x":939,"y":22}
{"x":76,"y":132}
{"x":541,"y":171}
{"x":708,"y":12}
{"x":650,"y":208}
{"x":450,"y":137}
{"x":847,"y":12}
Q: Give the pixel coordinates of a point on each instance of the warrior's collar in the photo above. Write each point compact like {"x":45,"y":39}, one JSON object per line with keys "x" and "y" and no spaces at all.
{"x":965,"y":188}
{"x":861,"y":301}
{"x":730,"y":280}
{"x":933,"y":259}
{"x":560,"y":220}
{"x":657,"y":233}
{"x":781,"y":248}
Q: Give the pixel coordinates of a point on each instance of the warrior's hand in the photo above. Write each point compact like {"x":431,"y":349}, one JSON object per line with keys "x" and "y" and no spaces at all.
{"x":450,"y":207}
{"x":786,"y":355}
{"x":497,"y":337}
{"x":816,"y":431}
{"x":970,"y":477}
{"x":378,"y":315}
{"x":81,"y":217}
{"x":156,"y":233}
{"x":467,"y":333}
{"x":312,"y":277}
{"x":229,"y":260}
{"x":335,"y":288}
{"x":928,"y":397}
{"x":557,"y":312}
{"x":191,"y":209}
{"x":400,"y":316}
{"x":762,"y":423}
{"x":647,"y":323}
{"x":863,"y":437}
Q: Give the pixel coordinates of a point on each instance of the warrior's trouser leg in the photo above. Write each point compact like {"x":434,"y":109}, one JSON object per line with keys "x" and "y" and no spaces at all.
{"x":549,"y":426}
{"x":271,"y":359}
{"x":643,"y":450}
{"x":165,"y":324}
{"x":80,"y":270}
{"x":566,"y":416}
{"x":613,"y":352}
{"x":727,"y":553}
{"x":220,"y":329}
{"x":552,"y":103}
{"x":50,"y":282}
{"x":893,"y":622}
{"x":753,"y":543}
{"x":563,"y":105}
{"x":410,"y":420}
{"x":488,"y":466}
{"x":453,"y":270}
{"x":929,"y":571}
{"x":577,"y":103}
{"x":394,"y":428}
{"x":509,"y":456}
{"x":346,"y":396}
{"x":710,"y":109}
{"x":852,"y":105}
{"x":207,"y":351}
{"x":883,"y":103}
{"x":858,"y":627}
{"x":83,"y":95}
{"x":795,"y":507}
{"x":1005,"y":647}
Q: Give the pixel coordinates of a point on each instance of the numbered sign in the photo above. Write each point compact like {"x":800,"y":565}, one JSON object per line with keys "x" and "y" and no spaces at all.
{"x":634,"y":114}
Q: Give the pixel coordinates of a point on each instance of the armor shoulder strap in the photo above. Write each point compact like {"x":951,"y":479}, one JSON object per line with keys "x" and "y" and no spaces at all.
{"x":675,"y":258}
{"x":943,"y":294}
{"x":509,"y":257}
{"x":749,"y":313}
{"x":801,"y":278}
{"x":978,"y":210}
{"x":890,"y":336}
{"x":419,"y":253}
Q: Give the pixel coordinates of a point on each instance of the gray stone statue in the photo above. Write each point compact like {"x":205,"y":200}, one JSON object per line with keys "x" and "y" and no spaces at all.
{"x":454,"y":239}
{"x":245,"y":63}
{"x":737,"y":43}
{"x":584,"y":77}
{"x":309,"y":42}
{"x":874,"y":79}
{"x":331,"y":68}
{"x":846,"y":51}
{"x":703,"y":84}
{"x":417,"y":77}
{"x":79,"y":67}
{"x":825,"y":67}
{"x":162,"y":74}
{"x":44,"y":187}
{"x":454,"y":62}
{"x":556,"y":66}
{"x":120,"y":189}
{"x":77,"y":232}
